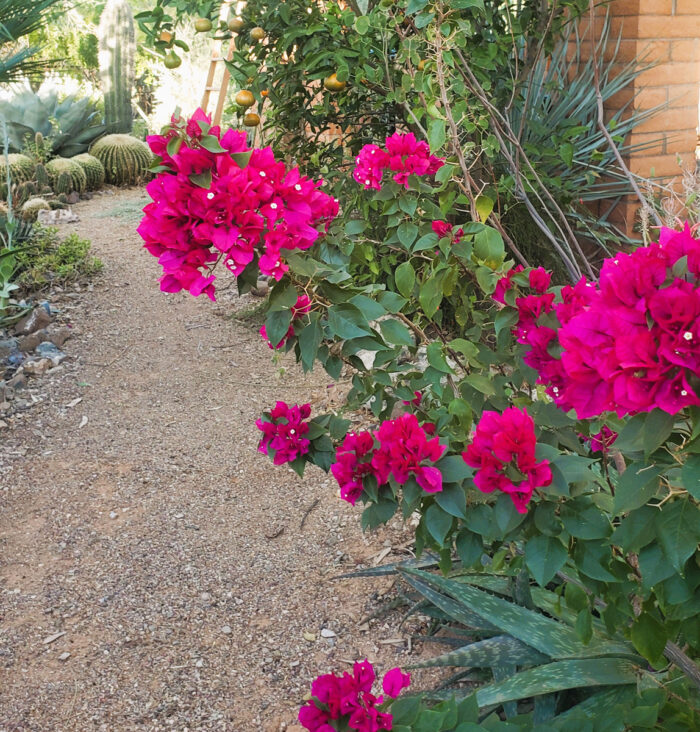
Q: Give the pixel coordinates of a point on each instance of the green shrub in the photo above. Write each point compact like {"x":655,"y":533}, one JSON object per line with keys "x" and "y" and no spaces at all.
{"x":54,"y":260}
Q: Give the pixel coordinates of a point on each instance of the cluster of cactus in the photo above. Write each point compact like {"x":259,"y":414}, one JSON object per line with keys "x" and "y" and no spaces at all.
{"x":93,"y":169}
{"x":116,"y":59}
{"x":21,"y":170}
{"x":125,"y":159}
{"x":66,"y":176}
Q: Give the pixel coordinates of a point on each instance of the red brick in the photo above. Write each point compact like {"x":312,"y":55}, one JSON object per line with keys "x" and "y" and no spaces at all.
{"x":682,"y":142}
{"x":670,"y":120}
{"x":665,"y":26}
{"x":683,"y":95}
{"x":655,"y":166}
{"x":684,"y":50}
{"x":669,"y":73}
{"x":651,"y":96}
{"x":689,"y":7}
{"x":655,"y":141}
{"x":624,"y":7}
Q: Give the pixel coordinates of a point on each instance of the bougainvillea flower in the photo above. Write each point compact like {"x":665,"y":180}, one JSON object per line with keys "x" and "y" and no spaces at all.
{"x":283,"y":431}
{"x":503,"y":452}
{"x":602,"y":441}
{"x":394,"y":682}
{"x":504,"y":284}
{"x":208,"y":208}
{"x":352,"y":464}
{"x":300,"y":308}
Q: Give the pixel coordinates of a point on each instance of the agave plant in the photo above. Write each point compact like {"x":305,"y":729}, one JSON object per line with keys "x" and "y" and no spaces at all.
{"x":70,"y":125}
{"x":518,"y":653}
{"x":18,"y":18}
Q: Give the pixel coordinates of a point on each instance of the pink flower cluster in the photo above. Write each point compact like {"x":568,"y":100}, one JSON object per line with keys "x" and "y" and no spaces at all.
{"x":206,"y":207}
{"x":503,"y":451}
{"x":403,"y":448}
{"x":349,"y":699}
{"x":404,"y":156}
{"x":629,"y":345}
{"x":602,"y":441}
{"x":445,"y":228}
{"x":300,"y":308}
{"x":283,"y":431}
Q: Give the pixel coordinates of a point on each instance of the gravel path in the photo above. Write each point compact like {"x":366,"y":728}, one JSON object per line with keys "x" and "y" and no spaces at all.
{"x":152,"y":543}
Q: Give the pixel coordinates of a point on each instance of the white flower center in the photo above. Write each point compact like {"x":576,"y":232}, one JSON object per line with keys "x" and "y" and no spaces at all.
{"x":292,"y":432}
{"x":371,"y":152}
{"x":367,"y":182}
{"x":262,"y":173}
{"x":210,"y":196}
{"x":277,"y":263}
{"x":684,"y":392}
{"x":555,"y":389}
{"x":688,"y":336}
{"x":297,"y":187}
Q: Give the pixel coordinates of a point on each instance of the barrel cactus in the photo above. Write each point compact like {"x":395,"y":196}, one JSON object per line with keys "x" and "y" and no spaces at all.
{"x":125,"y":159}
{"x":21,"y":170}
{"x":116,"y":59}
{"x":94,"y":170}
{"x":77,"y":180}
{"x":41,"y":176}
{"x":30,"y":210}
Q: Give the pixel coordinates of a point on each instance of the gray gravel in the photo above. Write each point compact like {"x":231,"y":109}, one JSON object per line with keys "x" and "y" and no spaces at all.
{"x":143,"y":537}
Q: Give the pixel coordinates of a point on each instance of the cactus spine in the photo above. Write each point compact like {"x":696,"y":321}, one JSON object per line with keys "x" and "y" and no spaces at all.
{"x":93,"y":168}
{"x":30,"y":210}
{"x":116,"y":59}
{"x":40,"y":175}
{"x":125,"y":159}
{"x":21,"y":170}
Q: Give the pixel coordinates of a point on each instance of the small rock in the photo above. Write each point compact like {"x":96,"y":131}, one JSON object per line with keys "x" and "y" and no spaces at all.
{"x":8,"y":346}
{"x":59,"y":336}
{"x":18,"y":381}
{"x":59,"y":216}
{"x":73,"y":197}
{"x":327,"y":633}
{"x":64,"y":656}
{"x":54,"y":637}
{"x":311,"y":637}
{"x":37,"y":367}
{"x":36,"y":320}
{"x":49,"y":350}
{"x":226,"y":630}
{"x":15,"y":359}
{"x":113,"y":514}
{"x":30,"y":342}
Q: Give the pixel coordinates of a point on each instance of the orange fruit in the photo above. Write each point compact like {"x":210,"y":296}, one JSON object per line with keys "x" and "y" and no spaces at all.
{"x":236,"y":25}
{"x":202,"y":25}
{"x":245,"y":98}
{"x":421,"y":64}
{"x":165,"y":36}
{"x":264,"y":93}
{"x":250,"y":119}
{"x":333,"y":84}
{"x":257,"y":33}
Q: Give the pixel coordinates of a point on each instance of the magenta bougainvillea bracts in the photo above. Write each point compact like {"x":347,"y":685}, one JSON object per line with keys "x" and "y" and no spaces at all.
{"x":348,"y":700}
{"x":602,"y":441}
{"x":628,"y":345}
{"x":503,"y":452}
{"x":299,"y":309}
{"x":445,"y":228}
{"x":215,"y":200}
{"x":283,"y":429}
{"x":400,"y":448}
{"x":403,"y":156}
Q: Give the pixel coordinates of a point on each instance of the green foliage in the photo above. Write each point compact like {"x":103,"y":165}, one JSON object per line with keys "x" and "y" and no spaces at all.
{"x":18,"y":19}
{"x":69,"y":125}
{"x":125,"y":159}
{"x":55,"y":260}
{"x":93,"y":169}
{"x":116,"y":59}
{"x":65,"y":175}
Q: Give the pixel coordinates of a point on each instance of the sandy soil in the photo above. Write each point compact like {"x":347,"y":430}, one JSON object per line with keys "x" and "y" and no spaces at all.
{"x":154,"y":537}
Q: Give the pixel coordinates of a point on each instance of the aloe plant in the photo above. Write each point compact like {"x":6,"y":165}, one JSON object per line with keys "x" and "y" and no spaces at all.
{"x":70,"y":125}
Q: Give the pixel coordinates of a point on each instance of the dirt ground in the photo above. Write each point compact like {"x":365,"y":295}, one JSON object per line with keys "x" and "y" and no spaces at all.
{"x":141,"y":525}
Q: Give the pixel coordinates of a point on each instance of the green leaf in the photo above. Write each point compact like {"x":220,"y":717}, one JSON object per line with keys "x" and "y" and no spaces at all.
{"x":407,"y":233}
{"x":559,"y":676}
{"x":377,"y":513}
{"x":436,"y":358}
{"x":544,"y":556}
{"x":430,"y":293}
{"x":347,"y":322}
{"x":488,"y":244}
{"x":436,"y":134}
{"x":362,"y":24}
{"x":469,"y":547}
{"x":203,"y":180}
{"x":277,"y":324}
{"x":242,"y":158}
{"x":634,"y":530}
{"x":487,"y":653}
{"x":454,"y":469}
{"x":636,"y":486}
{"x":438,"y":522}
{"x":649,"y":638}
{"x":452,"y":500}
{"x":678,"y":528}
{"x":395,"y":332}
{"x":211,"y":143}
{"x":283,"y":299}
{"x":484,"y":206}
{"x":405,"y":278}
{"x":310,"y":339}
{"x":566,"y":152}
{"x":392,"y":301}
{"x":405,"y":710}
{"x":690,"y":475}
{"x":355,"y":226}
{"x":481,"y":383}
{"x":371,"y":309}
{"x":584,"y":625}
{"x":657,"y":427}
